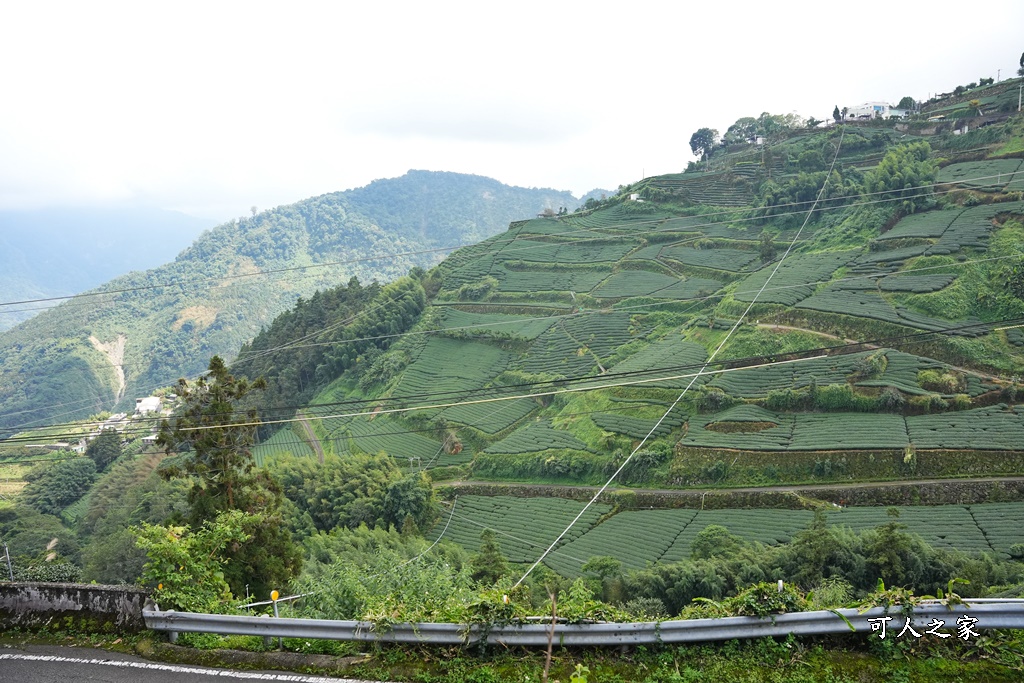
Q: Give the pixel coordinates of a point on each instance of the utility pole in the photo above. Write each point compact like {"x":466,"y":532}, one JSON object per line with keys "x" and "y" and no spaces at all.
{"x":10,"y":571}
{"x":1020,"y":88}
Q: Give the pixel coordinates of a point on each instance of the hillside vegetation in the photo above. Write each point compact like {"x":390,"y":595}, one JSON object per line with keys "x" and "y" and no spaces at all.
{"x":59,"y":252}
{"x":780,"y":355}
{"x":165,"y":323}
{"x":635,"y":290}
{"x":911,"y":250}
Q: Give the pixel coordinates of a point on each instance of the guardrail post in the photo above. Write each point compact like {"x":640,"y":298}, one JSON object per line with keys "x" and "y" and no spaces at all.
{"x":267,"y":640}
{"x":172,"y":636}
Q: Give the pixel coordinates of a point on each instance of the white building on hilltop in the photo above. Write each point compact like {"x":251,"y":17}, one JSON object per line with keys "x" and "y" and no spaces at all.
{"x":870,"y":110}
{"x":144,"y":406}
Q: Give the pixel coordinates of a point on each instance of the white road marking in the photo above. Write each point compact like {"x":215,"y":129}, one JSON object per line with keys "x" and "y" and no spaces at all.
{"x":288,"y":678}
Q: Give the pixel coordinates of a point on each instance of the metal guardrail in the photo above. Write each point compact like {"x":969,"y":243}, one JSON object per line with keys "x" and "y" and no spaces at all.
{"x":989,"y":615}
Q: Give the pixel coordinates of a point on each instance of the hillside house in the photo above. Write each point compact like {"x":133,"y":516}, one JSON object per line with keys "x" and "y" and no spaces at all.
{"x":118,"y":422}
{"x":874,"y":110}
{"x":144,"y":406}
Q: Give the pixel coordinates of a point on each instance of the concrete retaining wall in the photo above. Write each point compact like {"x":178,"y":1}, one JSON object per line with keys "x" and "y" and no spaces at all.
{"x":72,"y":606}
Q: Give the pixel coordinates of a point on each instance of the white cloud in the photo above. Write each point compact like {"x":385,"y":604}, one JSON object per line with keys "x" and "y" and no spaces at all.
{"x":213,"y":107}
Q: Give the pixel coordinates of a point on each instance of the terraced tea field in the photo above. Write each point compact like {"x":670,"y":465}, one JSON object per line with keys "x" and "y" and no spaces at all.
{"x":671,"y":355}
{"x":490,"y":418}
{"x":951,"y":230}
{"x":930,"y":224}
{"x":901,"y":371}
{"x":384,"y":434}
{"x":998,"y":427}
{"x":714,"y":188}
{"x":534,"y":438}
{"x":522,"y":326}
{"x":795,"y":278}
{"x":773,"y":432}
{"x":615,"y":219}
{"x":992,"y":175}
{"x":915,"y":284}
{"x":528,"y":281}
{"x":12,"y":481}
{"x":648,"y":535}
{"x":574,"y":346}
{"x":641,"y":537}
{"x":567,"y":253}
{"x":282,"y":442}
{"x":868,"y":304}
{"x":733,"y":260}
{"x":445,"y":368}
{"x":524,"y":526}
{"x":628,"y":283}
{"x":638,"y":427}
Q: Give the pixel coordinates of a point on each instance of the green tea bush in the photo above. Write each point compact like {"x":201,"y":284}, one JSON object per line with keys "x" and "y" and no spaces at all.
{"x":842,"y":397}
{"x":891,"y":400}
{"x":944,"y":382}
{"x":48,"y":572}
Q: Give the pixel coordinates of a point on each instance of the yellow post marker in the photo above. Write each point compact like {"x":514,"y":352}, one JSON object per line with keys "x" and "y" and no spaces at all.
{"x":274,"y":595}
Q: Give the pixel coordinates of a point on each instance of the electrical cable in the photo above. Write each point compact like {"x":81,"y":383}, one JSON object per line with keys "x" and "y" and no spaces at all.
{"x":748,"y":362}
{"x":656,"y":303}
{"x":683,"y":393}
{"x":632,"y":309}
{"x":123,"y":365}
{"x":902,"y":191}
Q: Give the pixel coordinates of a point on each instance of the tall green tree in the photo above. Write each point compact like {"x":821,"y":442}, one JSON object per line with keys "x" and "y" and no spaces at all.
{"x":216,"y":440}
{"x":488,"y":565}
{"x":836,"y":114}
{"x":766,"y":247}
{"x":185,"y":565}
{"x":703,"y":141}
{"x":742,"y":130}
{"x":895,"y":556}
{"x":104,"y":449}
{"x":219,"y":439}
{"x":354,"y":490}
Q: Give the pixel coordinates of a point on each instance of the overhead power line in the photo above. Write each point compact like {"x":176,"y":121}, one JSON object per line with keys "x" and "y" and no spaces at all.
{"x":631,"y":309}
{"x":903,"y":196}
{"x":695,"y":377}
{"x":364,"y":407}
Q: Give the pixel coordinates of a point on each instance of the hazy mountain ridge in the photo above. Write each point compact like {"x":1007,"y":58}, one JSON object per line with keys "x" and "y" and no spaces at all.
{"x":58,"y":252}
{"x":212,"y":302}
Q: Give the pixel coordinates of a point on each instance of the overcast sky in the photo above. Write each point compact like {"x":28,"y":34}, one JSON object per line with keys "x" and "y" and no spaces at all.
{"x":212,"y":107}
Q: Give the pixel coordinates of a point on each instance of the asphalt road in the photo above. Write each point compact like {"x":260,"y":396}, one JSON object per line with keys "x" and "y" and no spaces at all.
{"x":50,"y":664}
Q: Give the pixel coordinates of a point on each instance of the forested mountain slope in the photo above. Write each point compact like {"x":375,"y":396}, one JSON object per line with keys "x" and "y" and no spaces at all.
{"x":57,"y":252}
{"x":165,"y":323}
